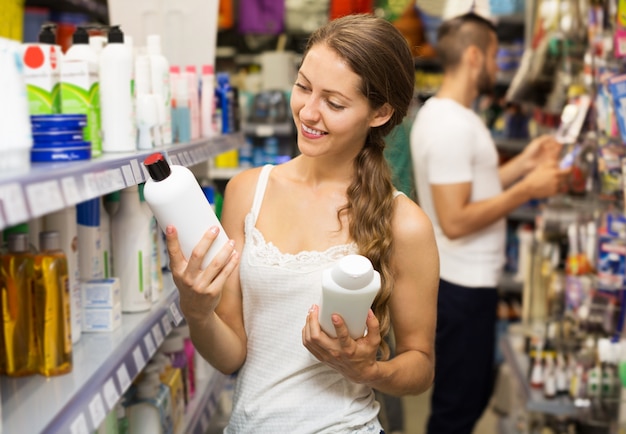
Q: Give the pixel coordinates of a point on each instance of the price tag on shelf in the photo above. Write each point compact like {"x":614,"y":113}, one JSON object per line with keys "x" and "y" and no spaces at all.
{"x":13,"y":203}
{"x":188,"y":158}
{"x":96,"y":410}
{"x":176,"y":316}
{"x":44,"y":197}
{"x":167,"y":325}
{"x":137,"y":172}
{"x":70,"y":191}
{"x":127,"y":173}
{"x":174,"y":159}
{"x":156,"y":333}
{"x":2,"y":223}
{"x":91,"y":185}
{"x":149,"y":343}
{"x":264,"y":131}
{"x":79,"y":426}
{"x":140,"y":361}
{"x":115,"y":179}
{"x":123,"y":378}
{"x":110,"y":393}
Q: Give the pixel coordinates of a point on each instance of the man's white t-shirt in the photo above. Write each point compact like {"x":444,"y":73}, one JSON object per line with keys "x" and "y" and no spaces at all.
{"x":450,"y":144}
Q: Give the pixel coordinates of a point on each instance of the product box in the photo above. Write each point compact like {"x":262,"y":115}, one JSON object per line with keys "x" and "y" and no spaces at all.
{"x":101,"y":293}
{"x":106,"y":319}
{"x":42,"y":75}
{"x":80,"y":94}
{"x":617,"y":90}
{"x":173,"y":379}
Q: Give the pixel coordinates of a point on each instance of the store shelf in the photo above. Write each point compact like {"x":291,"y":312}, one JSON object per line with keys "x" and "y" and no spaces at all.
{"x":535,"y":401}
{"x":268,"y":130}
{"x":95,"y":8}
{"x":524,"y":213}
{"x":224,"y":173}
{"x":49,"y":187}
{"x":203,"y":406}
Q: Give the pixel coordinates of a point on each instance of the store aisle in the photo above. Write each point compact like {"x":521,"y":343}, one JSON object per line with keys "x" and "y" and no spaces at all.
{"x":416,"y":409}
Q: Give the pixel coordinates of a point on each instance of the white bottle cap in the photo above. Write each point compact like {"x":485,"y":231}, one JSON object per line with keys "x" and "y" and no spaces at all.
{"x":353,"y":272}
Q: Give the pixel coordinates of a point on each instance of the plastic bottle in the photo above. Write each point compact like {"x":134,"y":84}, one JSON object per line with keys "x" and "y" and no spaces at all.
{"x":116,"y":94}
{"x":156,"y":275}
{"x":160,"y":71}
{"x":190,"y":350}
{"x":348,"y":289}
{"x":175,"y":198}
{"x":132,"y":251}
{"x":80,"y":86}
{"x":147,"y":104}
{"x":52,"y":306}
{"x":64,"y":222}
{"x":151,"y":413}
{"x":19,"y":348}
{"x":181,"y":106}
{"x":90,"y":264}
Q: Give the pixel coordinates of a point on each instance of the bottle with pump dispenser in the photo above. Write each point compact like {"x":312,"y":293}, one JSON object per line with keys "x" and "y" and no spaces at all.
{"x":175,"y":198}
{"x":52,"y":307}
{"x":132,"y":251}
{"x":116,"y":94}
{"x":348,"y":289}
{"x":19,"y":355}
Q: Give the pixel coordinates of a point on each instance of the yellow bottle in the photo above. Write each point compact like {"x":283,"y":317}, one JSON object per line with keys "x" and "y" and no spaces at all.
{"x":52,"y":307}
{"x":19,"y":352}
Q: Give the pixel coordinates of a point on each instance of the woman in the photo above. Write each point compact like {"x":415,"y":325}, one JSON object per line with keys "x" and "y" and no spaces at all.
{"x":258,"y":316}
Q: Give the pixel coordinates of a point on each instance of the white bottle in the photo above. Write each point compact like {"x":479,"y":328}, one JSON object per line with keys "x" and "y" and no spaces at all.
{"x":132,"y":251}
{"x":150,"y":414}
{"x":147,"y":105}
{"x":160,"y":81}
{"x":116,"y":97}
{"x":348,"y":289}
{"x":175,"y":198}
{"x":155,"y":265}
{"x":64,"y":222}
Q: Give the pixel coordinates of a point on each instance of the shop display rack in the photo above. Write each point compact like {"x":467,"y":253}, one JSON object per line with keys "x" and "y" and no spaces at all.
{"x":104,"y":366}
{"x":534,"y":399}
{"x":49,"y":187}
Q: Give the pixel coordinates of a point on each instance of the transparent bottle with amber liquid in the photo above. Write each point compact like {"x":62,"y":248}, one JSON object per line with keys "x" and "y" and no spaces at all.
{"x":19,"y":353}
{"x":52,"y":306}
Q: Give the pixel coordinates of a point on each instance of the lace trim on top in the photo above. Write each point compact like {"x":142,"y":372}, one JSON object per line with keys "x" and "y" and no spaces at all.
{"x":266,"y":253}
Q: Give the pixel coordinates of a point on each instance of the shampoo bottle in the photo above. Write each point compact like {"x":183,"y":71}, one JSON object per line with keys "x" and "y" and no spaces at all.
{"x":151,"y":411}
{"x":132,"y":251}
{"x":116,"y":94}
{"x":52,"y":307}
{"x":348,"y":289}
{"x":175,"y":198}
{"x":19,"y":352}
{"x":90,"y":264}
{"x":160,"y":80}
{"x":64,"y":222}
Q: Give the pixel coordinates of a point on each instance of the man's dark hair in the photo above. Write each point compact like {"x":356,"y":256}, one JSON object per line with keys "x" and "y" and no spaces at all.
{"x":458,"y":33}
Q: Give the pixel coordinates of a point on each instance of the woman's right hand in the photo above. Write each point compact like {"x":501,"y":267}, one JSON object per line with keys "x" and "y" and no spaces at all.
{"x":200,"y":290}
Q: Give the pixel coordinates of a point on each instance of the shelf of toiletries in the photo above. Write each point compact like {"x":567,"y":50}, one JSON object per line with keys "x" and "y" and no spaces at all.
{"x":49,"y":187}
{"x":510,"y":145}
{"x":104,"y":367}
{"x":534,"y":398}
{"x":510,"y":283}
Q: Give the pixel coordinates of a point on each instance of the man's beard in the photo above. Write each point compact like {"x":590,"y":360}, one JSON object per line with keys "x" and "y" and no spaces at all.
{"x":485,"y":84}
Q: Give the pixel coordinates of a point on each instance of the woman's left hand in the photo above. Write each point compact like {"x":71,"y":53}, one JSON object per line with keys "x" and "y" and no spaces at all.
{"x":355,"y":359}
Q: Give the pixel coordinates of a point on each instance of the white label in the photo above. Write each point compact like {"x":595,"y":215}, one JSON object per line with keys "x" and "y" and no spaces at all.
{"x":70,"y":191}
{"x":137,"y":172}
{"x":140,"y":362}
{"x":13,"y":203}
{"x":116,"y":179}
{"x":167,"y":325}
{"x":97,"y":411}
{"x":44,"y":197}
{"x":156,"y":333}
{"x":177,"y":317}
{"x":123,"y":378}
{"x":264,"y":130}
{"x":79,"y":426}
{"x":149,"y":343}
{"x":188,"y":159}
{"x":127,"y":173}
{"x":174,"y":159}
{"x":111,"y":395}
{"x":91,"y":185}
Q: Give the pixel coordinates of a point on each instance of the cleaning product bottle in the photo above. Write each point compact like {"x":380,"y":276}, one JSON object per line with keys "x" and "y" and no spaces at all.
{"x":116,"y":94}
{"x":132,"y":251}
{"x":64,"y":222}
{"x":160,"y":81}
{"x":19,"y":352}
{"x":348,"y":289}
{"x":52,"y":307}
{"x":175,"y":198}
{"x":80,"y":86}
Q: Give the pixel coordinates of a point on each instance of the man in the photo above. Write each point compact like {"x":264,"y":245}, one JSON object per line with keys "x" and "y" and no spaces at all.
{"x":467,"y":196}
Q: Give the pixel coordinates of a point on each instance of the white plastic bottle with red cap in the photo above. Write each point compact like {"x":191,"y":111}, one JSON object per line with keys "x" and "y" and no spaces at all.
{"x":175,"y":198}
